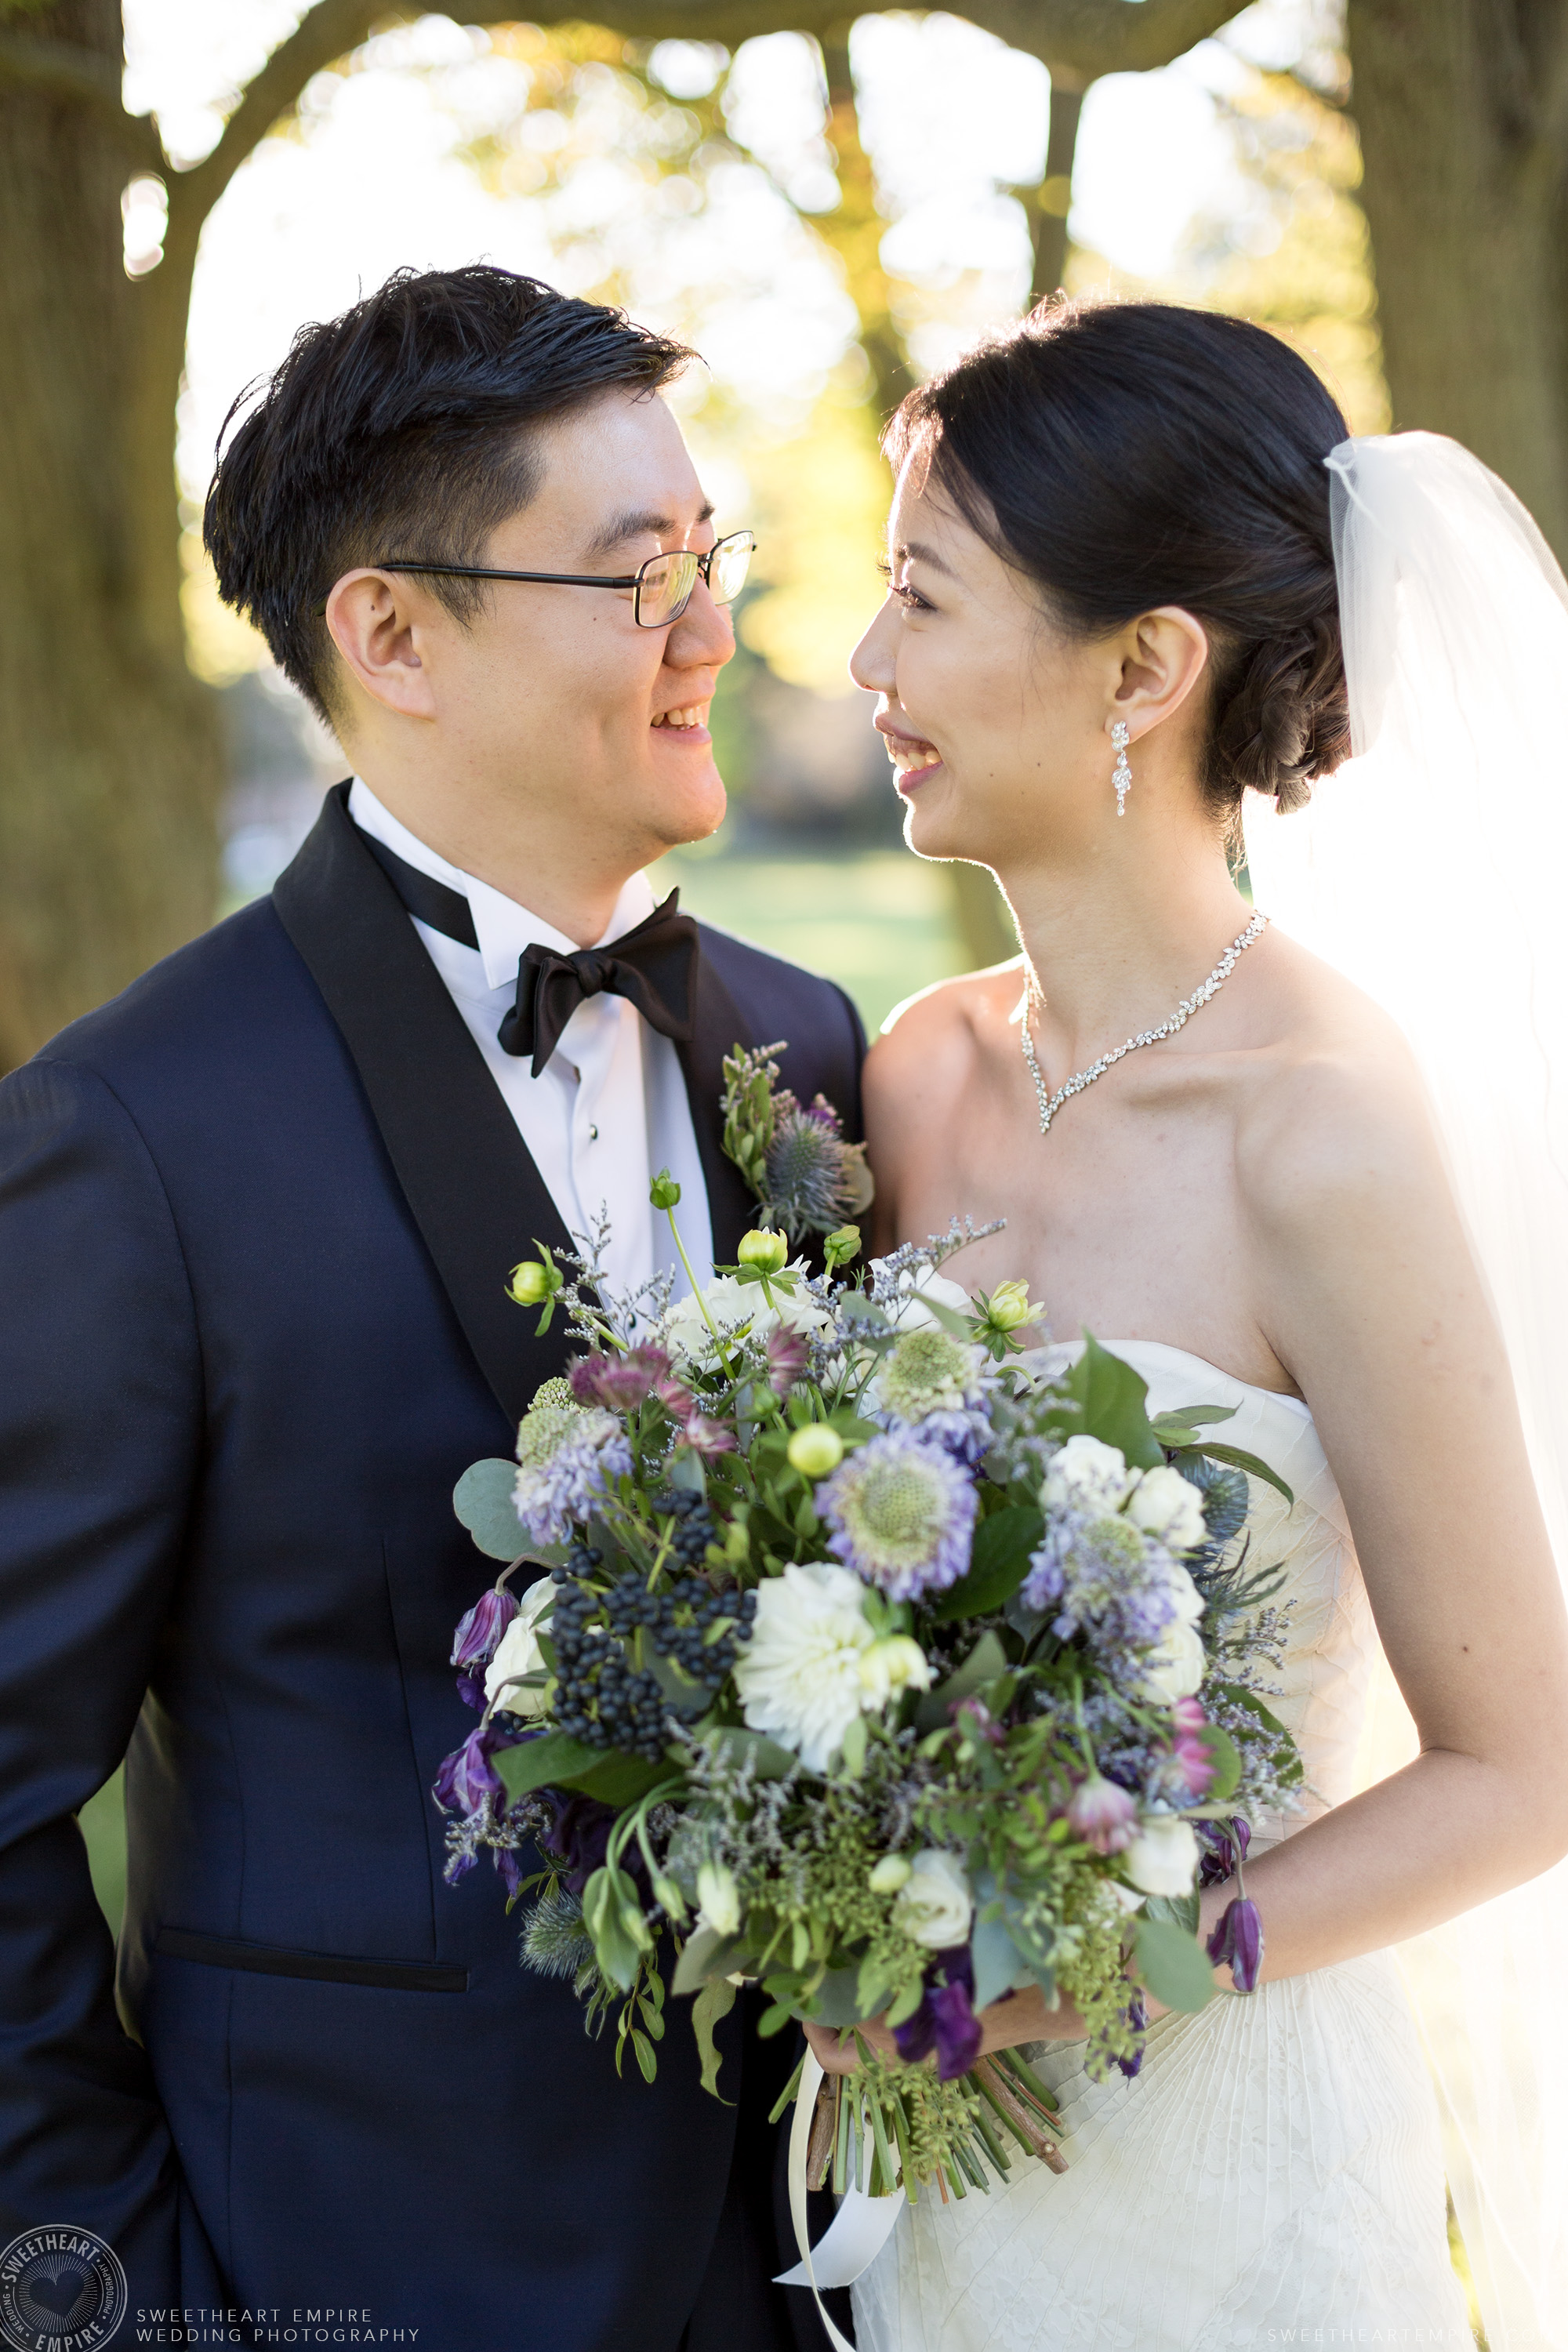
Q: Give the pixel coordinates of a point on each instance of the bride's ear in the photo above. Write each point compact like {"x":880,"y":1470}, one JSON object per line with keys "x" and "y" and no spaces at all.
{"x":1166,"y":655}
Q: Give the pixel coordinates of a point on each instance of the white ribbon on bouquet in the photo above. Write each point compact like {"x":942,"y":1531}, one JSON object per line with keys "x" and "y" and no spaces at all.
{"x":859,"y":2231}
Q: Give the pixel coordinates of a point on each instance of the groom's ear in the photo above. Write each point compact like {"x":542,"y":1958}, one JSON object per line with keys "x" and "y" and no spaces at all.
{"x":1166,"y":654}
{"x":381,"y":623}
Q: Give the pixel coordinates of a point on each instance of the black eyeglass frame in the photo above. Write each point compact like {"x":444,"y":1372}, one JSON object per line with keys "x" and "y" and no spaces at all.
{"x":632,"y":580}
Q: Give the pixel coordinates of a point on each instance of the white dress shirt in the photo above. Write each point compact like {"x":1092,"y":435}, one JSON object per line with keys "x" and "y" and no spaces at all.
{"x":609,"y":1109}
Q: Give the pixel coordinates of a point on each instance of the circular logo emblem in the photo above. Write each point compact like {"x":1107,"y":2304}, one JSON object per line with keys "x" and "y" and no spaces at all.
{"x":61,"y":2290}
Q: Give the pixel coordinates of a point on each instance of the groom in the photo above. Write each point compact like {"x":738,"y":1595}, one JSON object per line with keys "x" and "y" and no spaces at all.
{"x":256,"y":1218}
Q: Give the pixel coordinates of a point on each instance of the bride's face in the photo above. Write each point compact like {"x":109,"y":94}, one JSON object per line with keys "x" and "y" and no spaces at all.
{"x":997,"y":722}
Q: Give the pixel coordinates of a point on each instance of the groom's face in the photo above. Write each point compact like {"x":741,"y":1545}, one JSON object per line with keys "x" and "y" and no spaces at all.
{"x":550,"y":708}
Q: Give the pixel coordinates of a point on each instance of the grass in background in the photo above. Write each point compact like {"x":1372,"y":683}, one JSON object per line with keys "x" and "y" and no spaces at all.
{"x":878,"y":921}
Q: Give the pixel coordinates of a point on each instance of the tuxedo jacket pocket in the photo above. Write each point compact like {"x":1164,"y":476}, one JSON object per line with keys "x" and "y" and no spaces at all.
{"x":320,"y":1968}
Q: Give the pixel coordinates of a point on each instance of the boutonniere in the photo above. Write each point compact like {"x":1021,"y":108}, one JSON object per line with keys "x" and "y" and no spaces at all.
{"x":808,"y":1179}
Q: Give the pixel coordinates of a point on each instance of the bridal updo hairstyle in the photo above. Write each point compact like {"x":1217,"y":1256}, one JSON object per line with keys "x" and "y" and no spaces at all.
{"x":1125,"y":455}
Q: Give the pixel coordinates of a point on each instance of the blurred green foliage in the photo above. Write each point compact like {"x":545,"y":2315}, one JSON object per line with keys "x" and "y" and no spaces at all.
{"x":103,"y":1822}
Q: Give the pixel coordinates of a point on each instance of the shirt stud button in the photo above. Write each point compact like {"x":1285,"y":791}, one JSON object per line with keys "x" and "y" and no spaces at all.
{"x":593,"y":1135}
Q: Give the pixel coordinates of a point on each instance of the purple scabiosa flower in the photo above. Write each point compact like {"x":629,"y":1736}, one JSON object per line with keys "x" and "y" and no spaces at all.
{"x":568,"y":1454}
{"x":619,"y":1383}
{"x":479,"y":1633}
{"x":1238,"y":1940}
{"x":787,"y":1354}
{"x":902,"y":1515}
{"x":946,"y":2020}
{"x":1103,"y":1815}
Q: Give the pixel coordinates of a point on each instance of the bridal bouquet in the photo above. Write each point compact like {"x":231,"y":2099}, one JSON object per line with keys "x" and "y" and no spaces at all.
{"x":853,"y":1659}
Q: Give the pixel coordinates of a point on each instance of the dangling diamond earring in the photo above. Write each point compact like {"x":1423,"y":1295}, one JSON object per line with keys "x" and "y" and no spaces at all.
{"x":1122,"y":774}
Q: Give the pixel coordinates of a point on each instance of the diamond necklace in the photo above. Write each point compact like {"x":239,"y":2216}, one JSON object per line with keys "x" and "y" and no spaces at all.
{"x":1050,"y":1104}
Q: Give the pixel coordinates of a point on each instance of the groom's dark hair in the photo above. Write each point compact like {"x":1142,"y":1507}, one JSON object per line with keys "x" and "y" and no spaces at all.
{"x":1128,"y":455}
{"x":403,"y":428}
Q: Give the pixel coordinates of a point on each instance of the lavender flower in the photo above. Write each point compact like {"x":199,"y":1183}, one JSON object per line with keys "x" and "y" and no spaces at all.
{"x":1238,"y":1940}
{"x":478,"y":1635}
{"x":568,"y":1454}
{"x":902,"y":1515}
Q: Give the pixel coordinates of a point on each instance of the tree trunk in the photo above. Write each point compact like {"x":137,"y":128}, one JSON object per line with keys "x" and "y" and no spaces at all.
{"x":1461,"y":105}
{"x":110,"y":762}
{"x":1050,"y":203}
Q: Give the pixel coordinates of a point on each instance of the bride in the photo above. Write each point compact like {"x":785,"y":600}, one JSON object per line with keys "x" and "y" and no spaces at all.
{"x":1113,"y":607}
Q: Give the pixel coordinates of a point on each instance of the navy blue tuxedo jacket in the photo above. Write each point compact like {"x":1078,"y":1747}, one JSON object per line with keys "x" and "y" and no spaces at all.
{"x":255,"y":1220}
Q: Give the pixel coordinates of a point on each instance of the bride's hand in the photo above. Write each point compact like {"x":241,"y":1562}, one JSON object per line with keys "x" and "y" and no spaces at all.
{"x":1020,"y":2017}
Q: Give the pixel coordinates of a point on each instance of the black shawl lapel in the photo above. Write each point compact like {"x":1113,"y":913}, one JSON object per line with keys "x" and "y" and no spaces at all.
{"x":467,"y":1174}
{"x":718,"y":1027}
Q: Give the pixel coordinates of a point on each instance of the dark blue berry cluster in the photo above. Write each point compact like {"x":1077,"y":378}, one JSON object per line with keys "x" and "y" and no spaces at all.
{"x":603,"y":1699}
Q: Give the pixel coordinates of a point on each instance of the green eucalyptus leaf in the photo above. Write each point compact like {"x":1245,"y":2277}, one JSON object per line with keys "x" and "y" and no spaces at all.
{"x":1250,"y":1464}
{"x":1181,"y":1910}
{"x":1174,"y":1965}
{"x":998,"y":1564}
{"x":836,"y":2001}
{"x":998,"y":1962}
{"x":482,"y":1500}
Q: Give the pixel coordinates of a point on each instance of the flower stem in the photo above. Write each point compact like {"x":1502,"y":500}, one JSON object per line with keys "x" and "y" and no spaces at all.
{"x":697,"y":1294}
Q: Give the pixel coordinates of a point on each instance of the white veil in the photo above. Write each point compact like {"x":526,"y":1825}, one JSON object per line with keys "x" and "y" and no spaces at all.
{"x":1433,"y":870}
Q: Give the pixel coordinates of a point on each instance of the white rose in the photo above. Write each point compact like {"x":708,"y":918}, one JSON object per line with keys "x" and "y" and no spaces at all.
{"x":935,"y":1904}
{"x":518,"y":1653}
{"x":911,"y":1314}
{"x":1166,"y":1505}
{"x":732,"y":1305}
{"x":1163,"y":1859}
{"x":1176,"y":1665}
{"x":892,"y":1665}
{"x":1087,"y":1476}
{"x":799,"y":1675}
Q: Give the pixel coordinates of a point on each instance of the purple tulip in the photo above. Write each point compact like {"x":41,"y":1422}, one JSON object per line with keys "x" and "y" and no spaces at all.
{"x":471,"y":1691}
{"x":946,"y":2020}
{"x":478,"y":1636}
{"x":1227,"y":1846}
{"x":1137,"y":2017}
{"x":579,"y":1840}
{"x":1238,"y":1939}
{"x":467,"y":1780}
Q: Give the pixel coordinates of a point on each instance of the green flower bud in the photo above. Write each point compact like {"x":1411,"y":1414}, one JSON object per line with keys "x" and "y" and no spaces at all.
{"x":769,"y":1253}
{"x":533,"y":1283}
{"x":664,"y":1192}
{"x":815,"y":1450}
{"x":891,"y":1873}
{"x":841,"y":1245}
{"x":1009,"y":1306}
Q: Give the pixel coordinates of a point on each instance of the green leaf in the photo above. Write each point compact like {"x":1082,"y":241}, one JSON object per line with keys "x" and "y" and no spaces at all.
{"x":645,"y":2058}
{"x":854,"y":1749}
{"x":1112,"y":1396}
{"x":1181,"y":1910}
{"x":837,"y":2001}
{"x":602,"y":1901}
{"x":998,"y":1564}
{"x":548,"y":1762}
{"x":706,"y":1954}
{"x":482,"y":1500}
{"x":1173,"y":1966}
{"x":998,"y":1963}
{"x":769,"y":1760}
{"x":1250,"y":1464}
{"x":1177,"y":1428}
{"x":1242,"y":1697}
{"x":715,"y":2000}
{"x":1225,"y":1762}
{"x":617,"y":1780}
{"x":985,"y":1663}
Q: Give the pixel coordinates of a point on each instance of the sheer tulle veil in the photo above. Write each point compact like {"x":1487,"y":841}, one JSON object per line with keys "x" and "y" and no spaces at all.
{"x":1433,"y":870}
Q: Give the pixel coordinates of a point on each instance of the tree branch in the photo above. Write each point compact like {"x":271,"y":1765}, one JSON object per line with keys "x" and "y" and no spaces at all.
{"x":58,"y":70}
{"x":1085,"y":37}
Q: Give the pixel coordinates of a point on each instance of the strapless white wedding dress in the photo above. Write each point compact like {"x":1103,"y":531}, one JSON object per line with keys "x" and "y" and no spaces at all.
{"x":1275,"y":2165}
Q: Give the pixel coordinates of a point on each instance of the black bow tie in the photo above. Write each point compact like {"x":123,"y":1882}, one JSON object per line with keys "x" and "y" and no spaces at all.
{"x":654,"y":966}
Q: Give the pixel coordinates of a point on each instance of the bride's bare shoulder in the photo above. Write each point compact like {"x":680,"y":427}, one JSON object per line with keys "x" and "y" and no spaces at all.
{"x":1338,"y":1110}
{"x":931,"y":1043}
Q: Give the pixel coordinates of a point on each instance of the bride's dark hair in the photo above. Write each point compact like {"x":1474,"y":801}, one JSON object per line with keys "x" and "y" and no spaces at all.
{"x":1128,"y":455}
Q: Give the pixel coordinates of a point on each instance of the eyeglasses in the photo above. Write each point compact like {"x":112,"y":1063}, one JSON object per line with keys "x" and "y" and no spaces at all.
{"x":661,"y":588}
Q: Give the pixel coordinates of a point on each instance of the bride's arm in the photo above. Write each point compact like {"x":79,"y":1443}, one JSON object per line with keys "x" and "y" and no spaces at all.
{"x":1367,"y":1292}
